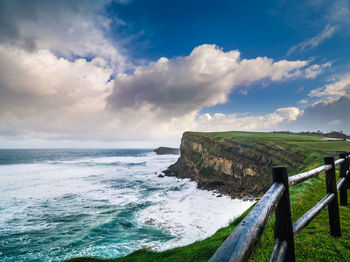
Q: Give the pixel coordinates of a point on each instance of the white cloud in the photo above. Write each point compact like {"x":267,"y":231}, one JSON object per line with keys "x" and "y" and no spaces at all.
{"x":43,"y":94}
{"x":313,"y":42}
{"x":288,"y":113}
{"x":223,"y":122}
{"x":173,"y":87}
{"x":303,"y":101}
{"x":335,"y":89}
{"x":314,"y":70}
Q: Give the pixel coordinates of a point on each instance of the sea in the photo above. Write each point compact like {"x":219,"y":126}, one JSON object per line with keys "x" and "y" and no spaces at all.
{"x":57,"y":204}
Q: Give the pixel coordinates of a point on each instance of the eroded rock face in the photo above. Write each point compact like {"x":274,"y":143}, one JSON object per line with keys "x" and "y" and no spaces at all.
{"x":167,"y":151}
{"x":232,"y":168}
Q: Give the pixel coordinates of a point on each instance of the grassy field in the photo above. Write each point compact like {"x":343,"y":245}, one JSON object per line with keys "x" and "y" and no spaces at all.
{"x":313,"y":244}
{"x":241,"y":136}
{"x":324,"y":145}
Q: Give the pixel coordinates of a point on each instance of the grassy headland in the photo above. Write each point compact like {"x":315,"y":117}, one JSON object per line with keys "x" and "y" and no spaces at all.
{"x":313,"y":244}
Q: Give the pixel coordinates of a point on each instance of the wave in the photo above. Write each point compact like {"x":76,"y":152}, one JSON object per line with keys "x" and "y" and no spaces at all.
{"x":106,"y":206}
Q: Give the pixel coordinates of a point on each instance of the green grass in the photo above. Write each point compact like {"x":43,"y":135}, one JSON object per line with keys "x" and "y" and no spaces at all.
{"x":241,"y":136}
{"x":324,"y":145}
{"x":314,"y":243}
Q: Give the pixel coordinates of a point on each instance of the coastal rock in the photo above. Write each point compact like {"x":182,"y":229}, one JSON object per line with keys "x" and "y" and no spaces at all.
{"x":167,"y":151}
{"x":240,"y":170}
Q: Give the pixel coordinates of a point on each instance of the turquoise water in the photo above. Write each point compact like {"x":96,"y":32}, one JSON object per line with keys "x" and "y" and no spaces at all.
{"x":57,"y":204}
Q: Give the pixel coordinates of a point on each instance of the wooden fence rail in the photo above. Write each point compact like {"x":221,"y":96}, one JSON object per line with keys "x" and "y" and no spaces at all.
{"x":241,"y":243}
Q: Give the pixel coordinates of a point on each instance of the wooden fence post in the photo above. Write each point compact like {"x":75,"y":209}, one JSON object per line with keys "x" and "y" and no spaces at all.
{"x":283,"y":221}
{"x":348,"y":176}
{"x":342,"y":174}
{"x":333,"y":209}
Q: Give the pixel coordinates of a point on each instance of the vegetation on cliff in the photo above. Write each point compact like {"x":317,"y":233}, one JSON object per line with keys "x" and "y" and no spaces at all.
{"x":314,"y":243}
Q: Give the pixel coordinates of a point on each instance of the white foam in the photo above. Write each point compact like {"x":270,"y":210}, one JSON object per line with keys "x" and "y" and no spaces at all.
{"x":191,"y":214}
{"x":177,"y":206}
{"x":141,"y":158}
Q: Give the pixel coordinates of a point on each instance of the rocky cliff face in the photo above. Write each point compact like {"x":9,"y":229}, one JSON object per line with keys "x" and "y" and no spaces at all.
{"x":233,"y":168}
{"x":167,"y":151}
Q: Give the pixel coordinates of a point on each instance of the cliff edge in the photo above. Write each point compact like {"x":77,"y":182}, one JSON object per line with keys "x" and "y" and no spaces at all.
{"x":237,"y":164}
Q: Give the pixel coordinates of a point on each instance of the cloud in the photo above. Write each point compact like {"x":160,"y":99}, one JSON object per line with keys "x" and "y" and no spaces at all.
{"x":67,"y":28}
{"x":308,"y":44}
{"x":41,"y":93}
{"x":326,"y":115}
{"x":339,"y":13}
{"x":173,"y":87}
{"x":45,"y":96}
{"x":335,"y":122}
{"x":329,"y":112}
{"x":335,"y":89}
{"x":315,"y":70}
{"x":62,"y":77}
{"x":228,"y":122}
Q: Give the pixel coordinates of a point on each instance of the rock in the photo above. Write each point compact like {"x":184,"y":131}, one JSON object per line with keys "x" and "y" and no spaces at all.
{"x":231,"y":168}
{"x":167,"y":151}
{"x":160,"y":175}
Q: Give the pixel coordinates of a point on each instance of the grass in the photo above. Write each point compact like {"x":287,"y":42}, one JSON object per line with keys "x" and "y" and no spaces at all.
{"x":324,"y":145}
{"x":241,"y":136}
{"x":314,"y":243}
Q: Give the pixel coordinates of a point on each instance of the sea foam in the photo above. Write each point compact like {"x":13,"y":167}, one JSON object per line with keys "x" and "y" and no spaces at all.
{"x":103,"y":204}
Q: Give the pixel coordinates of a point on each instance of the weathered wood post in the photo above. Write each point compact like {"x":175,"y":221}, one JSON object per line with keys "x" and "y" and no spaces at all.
{"x":342,"y":174}
{"x":348,"y":175}
{"x":283,"y":215}
{"x":333,"y":209}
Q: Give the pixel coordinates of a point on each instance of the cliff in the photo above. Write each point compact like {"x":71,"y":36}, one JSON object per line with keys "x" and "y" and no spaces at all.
{"x":237,"y":164}
{"x":167,"y":151}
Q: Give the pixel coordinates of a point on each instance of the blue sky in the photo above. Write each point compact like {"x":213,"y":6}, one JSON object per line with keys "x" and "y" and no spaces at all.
{"x":125,"y":73}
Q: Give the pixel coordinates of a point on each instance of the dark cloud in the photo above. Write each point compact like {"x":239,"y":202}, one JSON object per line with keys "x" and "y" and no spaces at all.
{"x":12,"y":15}
{"x":16,"y":13}
{"x":68,"y":28}
{"x":326,"y":115}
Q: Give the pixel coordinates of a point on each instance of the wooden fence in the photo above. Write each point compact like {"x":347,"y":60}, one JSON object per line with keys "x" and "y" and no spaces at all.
{"x":241,"y":243}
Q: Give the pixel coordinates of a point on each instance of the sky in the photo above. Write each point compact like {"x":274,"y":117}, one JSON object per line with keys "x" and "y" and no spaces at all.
{"x":120,"y":73}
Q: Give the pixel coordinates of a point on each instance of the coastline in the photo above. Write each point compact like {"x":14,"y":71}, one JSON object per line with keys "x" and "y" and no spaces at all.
{"x":217,"y":189}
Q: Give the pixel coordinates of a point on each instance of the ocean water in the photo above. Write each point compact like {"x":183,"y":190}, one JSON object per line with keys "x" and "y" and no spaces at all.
{"x":57,"y":204}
